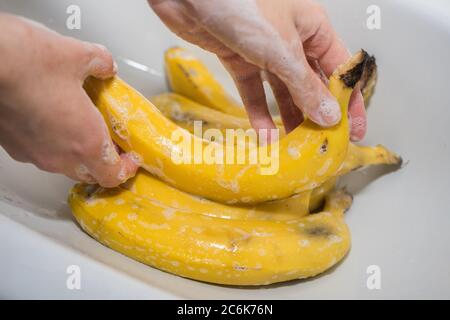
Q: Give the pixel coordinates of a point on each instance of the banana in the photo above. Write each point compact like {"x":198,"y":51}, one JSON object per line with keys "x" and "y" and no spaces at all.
{"x":137,"y":125}
{"x":319,"y":194}
{"x":183,"y":112}
{"x":147,"y":186}
{"x":359,"y":157}
{"x":212,"y":249}
{"x":189,"y":77}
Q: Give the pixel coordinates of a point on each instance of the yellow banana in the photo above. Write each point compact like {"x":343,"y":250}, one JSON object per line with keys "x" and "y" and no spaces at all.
{"x":217,"y":250}
{"x":189,"y":77}
{"x":318,"y":194}
{"x":184,"y":112}
{"x":136,"y":125}
{"x":362,"y":156}
{"x":151,"y":188}
{"x":295,"y":206}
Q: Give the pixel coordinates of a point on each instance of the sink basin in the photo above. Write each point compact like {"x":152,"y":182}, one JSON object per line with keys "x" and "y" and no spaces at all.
{"x":399,"y":222}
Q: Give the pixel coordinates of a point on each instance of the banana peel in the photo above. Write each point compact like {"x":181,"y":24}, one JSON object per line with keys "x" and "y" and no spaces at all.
{"x":213,"y":249}
{"x":189,"y":77}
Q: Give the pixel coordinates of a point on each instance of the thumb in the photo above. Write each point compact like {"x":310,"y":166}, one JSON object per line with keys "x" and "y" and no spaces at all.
{"x":101,"y":63}
{"x":112,"y":169}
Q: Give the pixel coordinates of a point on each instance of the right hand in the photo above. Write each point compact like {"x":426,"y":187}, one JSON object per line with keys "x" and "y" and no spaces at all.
{"x":46,"y":117}
{"x":292,"y":42}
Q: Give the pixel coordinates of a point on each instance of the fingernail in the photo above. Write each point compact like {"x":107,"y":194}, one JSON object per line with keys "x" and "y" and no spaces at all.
{"x":123,"y":175}
{"x":355,"y":138}
{"x":115,"y":67}
{"x":328,"y":113}
{"x":102,"y":47}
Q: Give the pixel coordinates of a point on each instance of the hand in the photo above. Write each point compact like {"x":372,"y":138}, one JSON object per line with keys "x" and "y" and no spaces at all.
{"x":291,"y":43}
{"x":46,"y":117}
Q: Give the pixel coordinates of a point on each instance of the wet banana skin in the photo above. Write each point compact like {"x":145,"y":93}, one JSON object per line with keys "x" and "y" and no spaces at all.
{"x":213,"y":249}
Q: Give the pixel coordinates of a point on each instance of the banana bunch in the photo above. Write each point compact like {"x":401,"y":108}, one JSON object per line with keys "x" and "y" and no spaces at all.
{"x":225,"y":224}
{"x":137,"y":125}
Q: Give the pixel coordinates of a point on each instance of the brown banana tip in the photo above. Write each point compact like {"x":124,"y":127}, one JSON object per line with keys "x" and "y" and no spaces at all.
{"x":400,"y":161}
{"x":350,"y":196}
{"x":361,"y":67}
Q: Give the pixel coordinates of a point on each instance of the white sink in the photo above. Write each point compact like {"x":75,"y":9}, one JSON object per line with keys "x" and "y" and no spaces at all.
{"x":400,"y":222}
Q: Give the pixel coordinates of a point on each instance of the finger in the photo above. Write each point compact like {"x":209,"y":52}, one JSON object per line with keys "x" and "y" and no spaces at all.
{"x":109,"y":169}
{"x":247,"y":78}
{"x":99,"y":153}
{"x":330,"y":52}
{"x":357,"y":114}
{"x":290,"y":113}
{"x":100,"y":62}
{"x":310,"y":94}
{"x":127,"y":162}
{"x":318,"y":70}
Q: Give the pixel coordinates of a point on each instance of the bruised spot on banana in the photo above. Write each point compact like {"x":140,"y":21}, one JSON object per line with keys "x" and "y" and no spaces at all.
{"x":148,"y":133}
